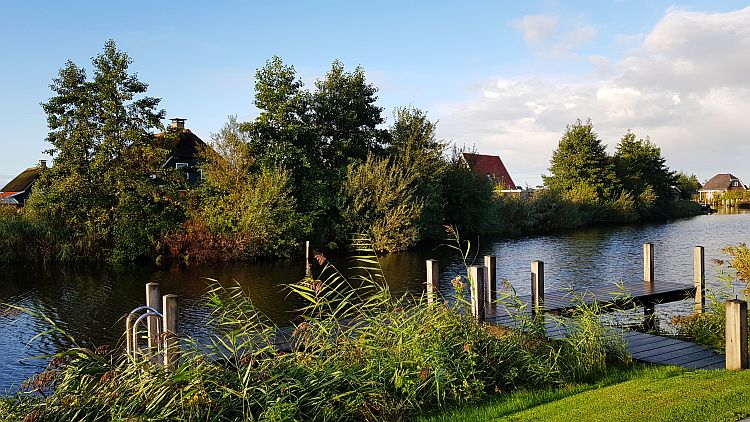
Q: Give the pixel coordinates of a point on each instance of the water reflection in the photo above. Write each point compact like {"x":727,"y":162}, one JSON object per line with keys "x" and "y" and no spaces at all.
{"x":89,"y":303}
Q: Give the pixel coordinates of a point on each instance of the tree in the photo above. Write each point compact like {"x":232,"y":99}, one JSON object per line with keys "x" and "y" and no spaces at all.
{"x":414,"y":146}
{"x":639,"y":165}
{"x":283,"y":137}
{"x":581,"y":160}
{"x":228,"y":163}
{"x":105,"y":156}
{"x":346,"y":117}
{"x":688,"y":185}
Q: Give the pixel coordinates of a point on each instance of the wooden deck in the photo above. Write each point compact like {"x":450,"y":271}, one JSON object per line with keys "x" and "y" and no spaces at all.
{"x":642,"y":346}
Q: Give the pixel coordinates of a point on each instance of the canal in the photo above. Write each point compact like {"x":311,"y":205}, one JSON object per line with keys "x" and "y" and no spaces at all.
{"x":89,"y":304}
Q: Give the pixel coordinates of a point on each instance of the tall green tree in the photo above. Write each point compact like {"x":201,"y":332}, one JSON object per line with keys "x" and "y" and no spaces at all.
{"x":100,"y":188}
{"x":346,"y":117}
{"x":640,"y":165}
{"x":581,"y":160}
{"x":414,"y":146}
{"x":688,"y":185}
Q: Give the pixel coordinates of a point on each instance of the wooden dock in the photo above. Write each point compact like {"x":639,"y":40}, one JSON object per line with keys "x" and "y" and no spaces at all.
{"x":642,"y":346}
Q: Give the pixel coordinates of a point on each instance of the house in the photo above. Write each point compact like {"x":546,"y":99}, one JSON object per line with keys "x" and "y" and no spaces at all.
{"x":186,"y":148}
{"x":18,"y":190}
{"x":492,"y":167}
{"x":721,"y":183}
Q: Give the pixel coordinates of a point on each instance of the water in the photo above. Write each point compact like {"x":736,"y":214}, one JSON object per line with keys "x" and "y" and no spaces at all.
{"x":89,"y":303}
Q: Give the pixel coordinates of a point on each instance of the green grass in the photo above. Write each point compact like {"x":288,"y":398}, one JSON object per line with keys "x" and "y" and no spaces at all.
{"x":646,"y":393}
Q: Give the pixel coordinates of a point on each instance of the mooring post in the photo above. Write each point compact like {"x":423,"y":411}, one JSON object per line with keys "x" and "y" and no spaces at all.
{"x":648,"y":263}
{"x":537,"y":287}
{"x":308,"y":272}
{"x":432,"y":280}
{"x":490,"y":263}
{"x":736,"y":334}
{"x":649,"y":311}
{"x":153,"y":300}
{"x":476,"y":274}
{"x":699,"y":278}
{"x":171,"y":341}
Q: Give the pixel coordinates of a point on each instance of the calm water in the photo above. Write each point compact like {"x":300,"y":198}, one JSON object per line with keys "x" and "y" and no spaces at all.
{"x":89,"y":304}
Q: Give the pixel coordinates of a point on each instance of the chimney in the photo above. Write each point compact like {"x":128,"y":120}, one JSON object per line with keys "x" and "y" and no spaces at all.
{"x":42,"y":164}
{"x":177,"y":123}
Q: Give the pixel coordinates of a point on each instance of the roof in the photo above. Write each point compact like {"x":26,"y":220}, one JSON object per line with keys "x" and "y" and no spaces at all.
{"x":721,"y":181}
{"x":187,"y":145}
{"x":23,"y":181}
{"x":489,"y":165}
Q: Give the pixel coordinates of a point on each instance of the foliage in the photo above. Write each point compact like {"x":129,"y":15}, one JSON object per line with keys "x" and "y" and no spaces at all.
{"x":469,"y":199}
{"x":381,"y":200}
{"x":581,"y":160}
{"x":105,"y":156}
{"x":258,"y":214}
{"x":740,"y":261}
{"x":346,"y":118}
{"x":640,"y":167}
{"x":414,"y":146}
{"x":688,"y":185}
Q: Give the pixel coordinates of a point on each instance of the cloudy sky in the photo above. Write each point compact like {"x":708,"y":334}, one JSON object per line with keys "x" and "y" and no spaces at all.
{"x":504,"y":77}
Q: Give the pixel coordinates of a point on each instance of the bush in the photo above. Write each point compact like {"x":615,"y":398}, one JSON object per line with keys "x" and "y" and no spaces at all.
{"x":380,"y":199}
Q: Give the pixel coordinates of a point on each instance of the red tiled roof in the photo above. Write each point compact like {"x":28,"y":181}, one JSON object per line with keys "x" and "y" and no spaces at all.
{"x":489,"y":165}
{"x":7,"y":194}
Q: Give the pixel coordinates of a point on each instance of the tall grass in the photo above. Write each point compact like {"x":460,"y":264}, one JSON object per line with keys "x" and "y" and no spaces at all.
{"x":357,"y":352}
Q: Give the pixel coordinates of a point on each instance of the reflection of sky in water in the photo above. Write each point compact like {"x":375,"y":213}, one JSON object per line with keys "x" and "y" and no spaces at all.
{"x":89,"y":303}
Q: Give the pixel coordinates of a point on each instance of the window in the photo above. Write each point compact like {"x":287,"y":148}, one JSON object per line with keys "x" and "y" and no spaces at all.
{"x":181,"y":165}
{"x":735,"y":183}
{"x":201,"y":175}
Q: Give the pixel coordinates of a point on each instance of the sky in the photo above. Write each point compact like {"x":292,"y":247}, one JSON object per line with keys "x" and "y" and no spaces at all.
{"x":502,"y":77}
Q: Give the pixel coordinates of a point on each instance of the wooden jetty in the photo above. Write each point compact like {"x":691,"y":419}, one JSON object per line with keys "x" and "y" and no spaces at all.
{"x":642,"y":346}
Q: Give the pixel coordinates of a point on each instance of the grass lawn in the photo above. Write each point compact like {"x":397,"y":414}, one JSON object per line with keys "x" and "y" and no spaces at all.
{"x":646,"y":393}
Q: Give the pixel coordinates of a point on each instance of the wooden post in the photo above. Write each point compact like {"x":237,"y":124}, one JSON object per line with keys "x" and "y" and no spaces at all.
{"x":153,"y":300}
{"x":736,"y":334}
{"x":537,"y":287}
{"x":308,"y":271}
{"x":490,"y":293}
{"x":648,"y":263}
{"x":699,"y":278}
{"x":476,"y":274}
{"x":432,"y":280}
{"x":171,"y":342}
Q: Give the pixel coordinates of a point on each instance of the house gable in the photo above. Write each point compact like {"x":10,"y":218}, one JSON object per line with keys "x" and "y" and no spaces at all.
{"x":490,"y":166}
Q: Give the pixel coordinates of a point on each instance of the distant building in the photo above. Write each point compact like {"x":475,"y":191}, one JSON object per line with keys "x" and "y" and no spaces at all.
{"x":185,"y":153}
{"x":18,"y":190}
{"x":721,"y":183}
{"x":491,"y":167}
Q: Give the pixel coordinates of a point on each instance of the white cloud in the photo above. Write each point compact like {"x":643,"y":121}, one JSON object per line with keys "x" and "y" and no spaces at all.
{"x":687,"y":85}
{"x":542,"y":34}
{"x":537,"y":29}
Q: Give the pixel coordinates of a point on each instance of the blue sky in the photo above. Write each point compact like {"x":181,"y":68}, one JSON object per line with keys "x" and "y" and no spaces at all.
{"x":503,"y":76}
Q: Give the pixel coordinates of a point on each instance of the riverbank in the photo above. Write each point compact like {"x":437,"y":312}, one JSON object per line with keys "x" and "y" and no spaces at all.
{"x":644,"y":393}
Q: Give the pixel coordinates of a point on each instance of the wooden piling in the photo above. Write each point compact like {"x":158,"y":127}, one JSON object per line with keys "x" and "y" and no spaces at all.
{"x":432,"y":280}
{"x":171,"y":342}
{"x":129,"y":346}
{"x":736,"y":334}
{"x":153,"y":300}
{"x":537,"y":287}
{"x":699,"y":278}
{"x":648,"y":263}
{"x":490,"y":293}
{"x":476,"y":274}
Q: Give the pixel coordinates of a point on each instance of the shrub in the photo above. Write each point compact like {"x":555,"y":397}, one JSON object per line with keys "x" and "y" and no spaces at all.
{"x":380,"y":199}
